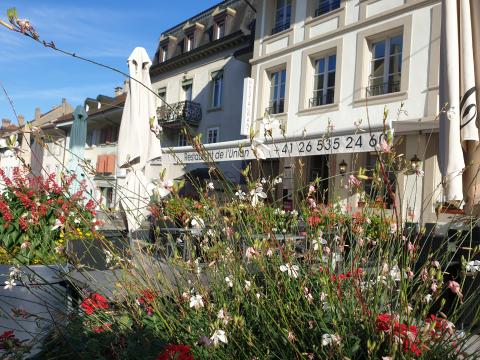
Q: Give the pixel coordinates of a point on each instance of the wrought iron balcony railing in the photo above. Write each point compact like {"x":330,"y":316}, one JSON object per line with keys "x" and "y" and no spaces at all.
{"x":276,"y":107}
{"x":179,"y":113}
{"x":385,"y":88}
{"x":321,"y":100}
{"x":281,"y":27}
{"x":326,"y":6}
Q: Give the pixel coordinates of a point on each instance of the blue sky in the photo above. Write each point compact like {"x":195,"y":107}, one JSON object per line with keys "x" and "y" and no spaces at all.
{"x":105,"y":31}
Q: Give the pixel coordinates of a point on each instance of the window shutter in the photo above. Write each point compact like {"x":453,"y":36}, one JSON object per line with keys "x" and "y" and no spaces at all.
{"x":110,"y":164}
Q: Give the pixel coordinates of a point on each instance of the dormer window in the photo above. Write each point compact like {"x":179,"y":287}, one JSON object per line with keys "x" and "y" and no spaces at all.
{"x":189,"y":42}
{"x":219,"y":29}
{"x":222,"y":20}
{"x":164,"y":53}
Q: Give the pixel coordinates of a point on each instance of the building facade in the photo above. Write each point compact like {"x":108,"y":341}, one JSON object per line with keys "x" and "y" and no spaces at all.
{"x":198,"y":72}
{"x":332,"y":69}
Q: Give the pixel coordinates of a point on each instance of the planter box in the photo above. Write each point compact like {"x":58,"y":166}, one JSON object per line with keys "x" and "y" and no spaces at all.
{"x":40,"y":300}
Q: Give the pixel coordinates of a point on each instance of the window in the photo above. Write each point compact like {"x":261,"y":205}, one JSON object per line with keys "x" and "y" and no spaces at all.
{"x":277,"y":92}
{"x":212,"y":135}
{"x":324,"y":81}
{"x":325,"y":6}
{"x":386,"y":66}
{"x":162,"y":94}
{"x":164,"y":53}
{"x":182,"y":139}
{"x":109,"y":135}
{"x":89,"y":139}
{"x":187,"y":90}
{"x":107,"y":197}
{"x":217,"y":87}
{"x":283,"y":15}
{"x":219,"y":29}
{"x":189,"y":41}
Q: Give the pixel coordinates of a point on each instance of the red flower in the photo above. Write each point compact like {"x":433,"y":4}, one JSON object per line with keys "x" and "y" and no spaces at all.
{"x":98,"y":329}
{"x":176,"y":352}
{"x":7,"y":335}
{"x":94,"y":302}
{"x":384,"y":322}
{"x":314,"y":220}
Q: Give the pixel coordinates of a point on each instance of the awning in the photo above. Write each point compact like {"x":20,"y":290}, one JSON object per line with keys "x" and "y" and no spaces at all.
{"x":244,"y":150}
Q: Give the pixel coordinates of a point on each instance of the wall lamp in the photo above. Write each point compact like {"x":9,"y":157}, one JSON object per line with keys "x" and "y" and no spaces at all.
{"x":342,"y":167}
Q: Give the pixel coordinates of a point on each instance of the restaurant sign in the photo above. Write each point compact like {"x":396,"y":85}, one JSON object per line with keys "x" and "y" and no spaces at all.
{"x":360,"y":142}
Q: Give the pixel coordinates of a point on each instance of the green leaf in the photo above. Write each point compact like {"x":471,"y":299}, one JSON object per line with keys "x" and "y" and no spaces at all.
{"x":12,"y":14}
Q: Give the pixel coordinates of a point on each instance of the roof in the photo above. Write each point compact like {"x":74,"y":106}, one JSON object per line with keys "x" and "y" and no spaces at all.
{"x":240,"y":25}
{"x":111,"y":103}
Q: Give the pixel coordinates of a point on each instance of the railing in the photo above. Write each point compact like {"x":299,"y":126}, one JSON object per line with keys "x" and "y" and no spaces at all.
{"x":276,"y":107}
{"x":385,"y":88}
{"x":281,"y":27}
{"x":327,"y":6}
{"x":321,"y":100}
{"x":181,"y":112}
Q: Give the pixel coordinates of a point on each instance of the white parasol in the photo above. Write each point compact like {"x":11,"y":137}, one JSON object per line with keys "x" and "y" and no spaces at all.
{"x":137,"y":144}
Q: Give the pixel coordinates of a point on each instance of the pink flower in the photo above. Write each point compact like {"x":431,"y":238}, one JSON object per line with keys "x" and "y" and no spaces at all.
{"x":455,"y":287}
{"x":385,"y":147}
{"x":251,"y":253}
{"x":354,"y":182}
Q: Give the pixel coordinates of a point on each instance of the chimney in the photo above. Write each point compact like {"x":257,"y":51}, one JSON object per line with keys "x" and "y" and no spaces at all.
{"x":21,"y":120}
{"x":5,"y":123}
{"x":118,"y":91}
{"x":38,"y":113}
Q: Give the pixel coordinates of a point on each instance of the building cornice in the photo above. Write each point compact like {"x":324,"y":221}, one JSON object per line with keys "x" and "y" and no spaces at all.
{"x":213,"y":47}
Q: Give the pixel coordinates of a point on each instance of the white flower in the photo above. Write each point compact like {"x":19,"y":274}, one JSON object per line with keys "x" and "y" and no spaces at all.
{"x":473,"y":266}
{"x":277,"y":180}
{"x":308,"y":295}
{"x":229,"y":281}
{"x":263,"y":181}
{"x":330,"y":339}
{"x":108,"y":256}
{"x":256,"y":194}
{"x":259,"y":148}
{"x":14,"y":271}
{"x":9,"y":284}
{"x":292,"y":270}
{"x":164,"y":188}
{"x":427,"y":298}
{"x":240,"y":194}
{"x":210,"y":186}
{"x":248,"y":284}
{"x":196,"y":301}
{"x":25,"y":245}
{"x":76,"y":221}
{"x":269,"y":252}
{"x":318,"y":241}
{"x":223,"y":315}
{"x":57,"y":224}
{"x":218,"y":337}
{"x":197,"y":226}
{"x":395,"y":273}
{"x":294,"y":213}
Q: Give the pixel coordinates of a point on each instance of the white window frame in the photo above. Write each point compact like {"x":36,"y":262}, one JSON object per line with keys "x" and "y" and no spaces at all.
{"x":281,"y":7}
{"x":277,"y":86}
{"x":162,"y":90}
{"x":326,"y":76}
{"x":217,"y":89}
{"x":217,"y":135}
{"x":386,"y":66}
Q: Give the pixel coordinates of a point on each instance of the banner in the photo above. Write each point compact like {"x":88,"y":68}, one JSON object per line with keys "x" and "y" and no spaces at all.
{"x":355,"y":143}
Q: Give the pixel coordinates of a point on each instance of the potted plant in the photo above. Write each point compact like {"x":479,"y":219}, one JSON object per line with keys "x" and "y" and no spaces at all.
{"x":38,"y":216}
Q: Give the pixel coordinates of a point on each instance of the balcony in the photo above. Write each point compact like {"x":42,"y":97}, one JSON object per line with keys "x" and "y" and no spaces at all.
{"x":180,"y":113}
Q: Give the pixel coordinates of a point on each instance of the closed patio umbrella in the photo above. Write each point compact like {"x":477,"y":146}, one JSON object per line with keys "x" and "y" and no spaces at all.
{"x":78,"y":136}
{"x":459,"y":128}
{"x":137,"y":144}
